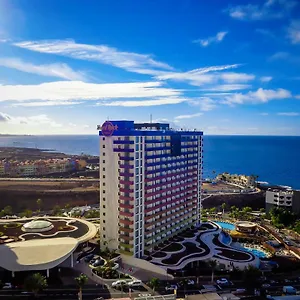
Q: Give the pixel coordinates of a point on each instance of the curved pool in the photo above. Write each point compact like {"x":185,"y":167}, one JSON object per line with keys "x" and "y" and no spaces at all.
{"x":256,"y":252}
{"x":225,"y":225}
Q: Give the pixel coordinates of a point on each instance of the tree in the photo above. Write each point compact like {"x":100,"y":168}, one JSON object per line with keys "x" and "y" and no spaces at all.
{"x":35,"y":283}
{"x":67,"y":206}
{"x":56,"y":210}
{"x":213,"y":264}
{"x":251,"y":275}
{"x":27,"y":213}
{"x":7,"y":210}
{"x":39,"y":204}
{"x":154,"y":283}
{"x":213,"y":210}
{"x":81,"y":280}
{"x":223,"y":206}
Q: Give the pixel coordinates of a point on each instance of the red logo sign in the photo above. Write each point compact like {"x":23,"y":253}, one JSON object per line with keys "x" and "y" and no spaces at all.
{"x":108,"y":128}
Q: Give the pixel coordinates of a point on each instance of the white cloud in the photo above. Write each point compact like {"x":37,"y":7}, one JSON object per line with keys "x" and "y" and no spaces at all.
{"x":77,"y":90}
{"x":266,"y":33}
{"x":264,"y":114}
{"x":293,"y":32}
{"x":259,"y":96}
{"x":266,"y":78}
{"x":46,"y":103}
{"x":32,"y":120}
{"x":205,"y":103}
{"x":58,"y":70}
{"x":288,"y":114}
{"x":297,"y":96}
{"x":72,"y":124}
{"x":103,"y":54}
{"x":208,"y":75}
{"x":271,"y":9}
{"x":213,"y":39}
{"x":228,"y":87}
{"x":279,"y":55}
{"x":188,"y":116}
{"x":140,"y":103}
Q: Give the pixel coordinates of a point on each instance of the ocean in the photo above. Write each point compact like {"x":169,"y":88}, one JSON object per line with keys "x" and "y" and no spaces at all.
{"x":275,"y":159}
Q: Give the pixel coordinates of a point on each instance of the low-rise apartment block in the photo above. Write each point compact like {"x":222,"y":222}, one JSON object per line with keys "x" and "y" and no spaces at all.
{"x":284,"y":198}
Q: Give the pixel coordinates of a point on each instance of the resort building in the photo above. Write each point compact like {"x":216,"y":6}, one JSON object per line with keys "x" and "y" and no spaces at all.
{"x":242,"y":180}
{"x":284,"y":198}
{"x":150,"y":184}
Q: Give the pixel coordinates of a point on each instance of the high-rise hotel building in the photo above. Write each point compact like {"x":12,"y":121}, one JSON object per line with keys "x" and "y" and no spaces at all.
{"x":150,"y":184}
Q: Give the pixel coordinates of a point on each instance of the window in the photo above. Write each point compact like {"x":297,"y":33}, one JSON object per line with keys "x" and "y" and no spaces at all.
{"x":103,"y":198}
{"x":103,"y":214}
{"x":103,"y":183}
{"x":103,"y":206}
{"x":103,"y":221}
{"x":103,"y":169}
{"x":103,"y":228}
{"x":104,"y":236}
{"x":103,"y":161}
{"x":103,"y":139}
{"x":103,"y":176}
{"x":103,"y":146}
{"x":103,"y":154}
{"x":103,"y":191}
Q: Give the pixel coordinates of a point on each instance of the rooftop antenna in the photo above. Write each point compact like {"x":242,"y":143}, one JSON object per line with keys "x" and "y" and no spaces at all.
{"x":150,"y":118}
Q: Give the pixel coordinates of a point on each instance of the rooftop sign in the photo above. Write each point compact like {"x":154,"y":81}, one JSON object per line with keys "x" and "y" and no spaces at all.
{"x":107,"y":128}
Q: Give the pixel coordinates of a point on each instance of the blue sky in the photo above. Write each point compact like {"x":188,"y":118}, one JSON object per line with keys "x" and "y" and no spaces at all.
{"x":225,"y":67}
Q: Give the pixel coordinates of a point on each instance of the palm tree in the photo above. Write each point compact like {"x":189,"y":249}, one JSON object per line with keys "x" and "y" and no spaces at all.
{"x":212,"y":263}
{"x":154,"y":283}
{"x":39,"y":204}
{"x":223,"y":206}
{"x":81,"y":280}
{"x":35,"y":283}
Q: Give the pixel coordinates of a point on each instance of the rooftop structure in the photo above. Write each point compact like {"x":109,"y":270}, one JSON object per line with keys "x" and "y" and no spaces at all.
{"x":150,"y":184}
{"x":41,"y":244}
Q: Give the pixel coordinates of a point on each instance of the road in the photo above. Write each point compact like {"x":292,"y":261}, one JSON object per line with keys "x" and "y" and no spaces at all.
{"x":71,"y":293}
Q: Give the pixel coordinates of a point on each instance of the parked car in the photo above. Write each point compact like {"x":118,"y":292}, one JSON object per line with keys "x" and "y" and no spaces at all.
{"x":239,"y":291}
{"x":186,"y":282}
{"x":289,"y":290}
{"x":119,"y":283}
{"x":222,"y":281}
{"x":171,"y":287}
{"x":134,"y":283}
{"x":7,"y":285}
{"x":89,"y":257}
{"x":98,"y":262}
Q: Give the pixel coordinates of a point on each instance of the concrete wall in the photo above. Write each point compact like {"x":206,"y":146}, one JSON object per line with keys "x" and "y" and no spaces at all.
{"x":109,"y":226}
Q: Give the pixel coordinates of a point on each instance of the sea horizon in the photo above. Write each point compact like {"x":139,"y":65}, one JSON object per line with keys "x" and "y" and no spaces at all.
{"x":274,"y":159}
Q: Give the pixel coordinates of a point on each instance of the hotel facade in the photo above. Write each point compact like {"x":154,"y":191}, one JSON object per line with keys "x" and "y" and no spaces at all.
{"x":150,"y":184}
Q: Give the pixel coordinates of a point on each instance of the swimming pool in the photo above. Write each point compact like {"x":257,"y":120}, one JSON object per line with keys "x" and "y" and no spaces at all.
{"x":256,"y":252}
{"x":225,"y":225}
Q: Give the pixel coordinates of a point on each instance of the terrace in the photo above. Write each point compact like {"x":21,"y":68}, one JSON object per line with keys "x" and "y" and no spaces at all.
{"x":199,"y":244}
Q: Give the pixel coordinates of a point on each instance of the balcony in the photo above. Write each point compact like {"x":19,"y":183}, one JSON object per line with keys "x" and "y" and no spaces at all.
{"x":126,"y":221}
{"x":125,"y":229}
{"x":126,"y":214}
{"x":127,"y":205}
